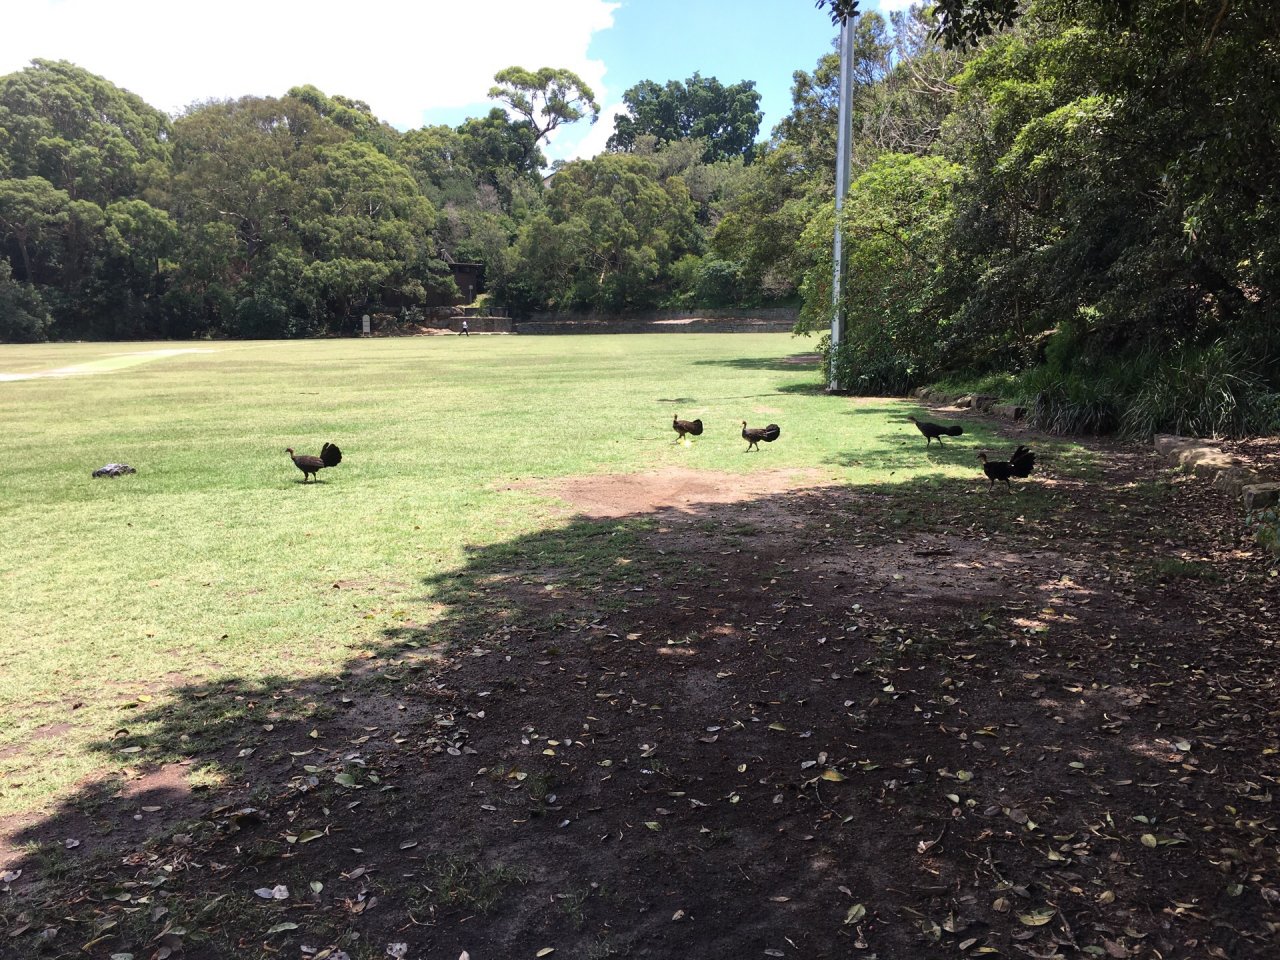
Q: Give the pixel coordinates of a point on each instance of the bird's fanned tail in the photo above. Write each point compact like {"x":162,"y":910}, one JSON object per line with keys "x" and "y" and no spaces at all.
{"x":1022,"y":461}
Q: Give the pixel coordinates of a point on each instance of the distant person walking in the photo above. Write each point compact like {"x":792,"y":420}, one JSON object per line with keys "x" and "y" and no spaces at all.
{"x":464,"y":331}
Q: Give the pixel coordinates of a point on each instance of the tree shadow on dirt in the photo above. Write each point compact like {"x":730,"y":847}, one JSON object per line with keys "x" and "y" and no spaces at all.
{"x":893,"y":717}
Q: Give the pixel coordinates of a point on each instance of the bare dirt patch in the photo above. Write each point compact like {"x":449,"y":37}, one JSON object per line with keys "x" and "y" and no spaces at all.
{"x":620,"y":494}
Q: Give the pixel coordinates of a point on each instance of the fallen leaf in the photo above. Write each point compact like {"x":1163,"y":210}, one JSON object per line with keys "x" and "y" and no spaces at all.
{"x":1038,"y":918}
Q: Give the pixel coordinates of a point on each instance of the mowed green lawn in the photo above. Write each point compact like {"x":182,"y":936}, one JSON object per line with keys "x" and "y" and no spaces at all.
{"x":216,"y":561}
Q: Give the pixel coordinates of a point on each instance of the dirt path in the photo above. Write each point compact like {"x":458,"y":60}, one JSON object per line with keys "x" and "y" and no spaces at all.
{"x":119,"y":361}
{"x":770,"y":721}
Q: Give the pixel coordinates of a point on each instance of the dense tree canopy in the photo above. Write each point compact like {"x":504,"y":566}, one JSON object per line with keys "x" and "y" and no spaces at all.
{"x":725,"y":119}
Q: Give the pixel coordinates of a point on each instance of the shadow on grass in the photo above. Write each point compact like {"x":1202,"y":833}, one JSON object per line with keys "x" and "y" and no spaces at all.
{"x":726,"y":714}
{"x":796,"y":361}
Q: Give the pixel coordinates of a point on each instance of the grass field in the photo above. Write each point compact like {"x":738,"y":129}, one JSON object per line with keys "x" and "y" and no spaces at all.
{"x":215,"y":560}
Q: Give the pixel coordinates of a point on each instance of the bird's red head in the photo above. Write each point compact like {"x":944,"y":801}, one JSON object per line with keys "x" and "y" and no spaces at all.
{"x":289,"y":451}
{"x":982,"y":457}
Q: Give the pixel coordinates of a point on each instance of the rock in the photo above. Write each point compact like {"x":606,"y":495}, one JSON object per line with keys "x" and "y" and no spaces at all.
{"x":113,"y":470}
{"x":1202,"y":457}
{"x":1259,"y":496}
{"x":921,"y":393}
{"x":984,"y":401}
{"x":1167,"y":443}
{"x":1009,"y":411}
{"x":964,"y":402}
{"x":1234,"y":480}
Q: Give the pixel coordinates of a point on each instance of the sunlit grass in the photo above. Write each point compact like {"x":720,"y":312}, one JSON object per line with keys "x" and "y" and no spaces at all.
{"x":215,"y":560}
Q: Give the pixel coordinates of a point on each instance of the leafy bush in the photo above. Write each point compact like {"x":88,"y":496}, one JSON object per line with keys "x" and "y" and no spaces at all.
{"x":871,"y":364}
{"x":1209,"y":392}
{"x":1071,"y":402}
{"x":1265,"y":525}
{"x":894,"y":296}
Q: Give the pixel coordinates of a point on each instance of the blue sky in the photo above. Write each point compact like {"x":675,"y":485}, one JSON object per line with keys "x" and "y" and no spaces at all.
{"x":764,"y":40}
{"x":422,"y":61}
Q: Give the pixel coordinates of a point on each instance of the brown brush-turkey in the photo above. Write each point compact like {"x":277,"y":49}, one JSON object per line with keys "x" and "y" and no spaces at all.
{"x":753,"y":435}
{"x":330,"y":456}
{"x":1018,"y":465}
{"x":935,"y":431}
{"x":681,"y":427}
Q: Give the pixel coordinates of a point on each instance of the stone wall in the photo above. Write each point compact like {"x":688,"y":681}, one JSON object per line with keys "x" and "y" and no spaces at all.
{"x":771,"y":320}
{"x":779,"y":314}
{"x":474,"y":324}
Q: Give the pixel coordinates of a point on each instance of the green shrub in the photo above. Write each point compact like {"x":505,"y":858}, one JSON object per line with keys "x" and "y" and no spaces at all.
{"x":1071,"y":402}
{"x":1207,"y":392}
{"x":1211,"y":391}
{"x":1265,"y":525}
{"x":871,"y":363}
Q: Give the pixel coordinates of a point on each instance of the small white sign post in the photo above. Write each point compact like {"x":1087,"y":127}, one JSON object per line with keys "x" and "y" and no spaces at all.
{"x":364,"y":321}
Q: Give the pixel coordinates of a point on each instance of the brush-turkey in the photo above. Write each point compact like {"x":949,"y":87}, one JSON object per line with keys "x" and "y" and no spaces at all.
{"x":681,"y":427}
{"x":935,"y":431}
{"x":1018,"y":465}
{"x":330,"y":456}
{"x":753,"y":435}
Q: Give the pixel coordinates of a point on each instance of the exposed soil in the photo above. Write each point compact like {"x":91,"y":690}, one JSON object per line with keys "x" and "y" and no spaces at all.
{"x":747,"y":716}
{"x":621,"y":494}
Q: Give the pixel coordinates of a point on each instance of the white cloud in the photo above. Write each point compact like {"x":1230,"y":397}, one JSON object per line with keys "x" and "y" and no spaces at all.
{"x":400,"y":56}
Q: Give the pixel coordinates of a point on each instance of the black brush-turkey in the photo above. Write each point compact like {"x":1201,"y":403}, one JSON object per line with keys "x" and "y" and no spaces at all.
{"x":935,"y":431}
{"x":1018,"y":465}
{"x":753,"y":435}
{"x":681,"y":427}
{"x":330,"y":456}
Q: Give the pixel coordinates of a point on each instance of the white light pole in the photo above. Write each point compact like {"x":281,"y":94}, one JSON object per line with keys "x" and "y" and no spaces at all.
{"x":844,"y":137}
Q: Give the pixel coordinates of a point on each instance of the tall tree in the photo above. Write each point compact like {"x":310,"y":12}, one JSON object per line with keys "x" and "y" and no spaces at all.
{"x":77,"y":130}
{"x":726,"y":119}
{"x":546,"y":98}
{"x":610,"y":232}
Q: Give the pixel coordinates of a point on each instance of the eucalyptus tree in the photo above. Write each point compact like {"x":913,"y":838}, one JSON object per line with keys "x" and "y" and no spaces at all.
{"x":725,"y":119}
{"x":78,"y":131}
{"x":546,"y":99}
